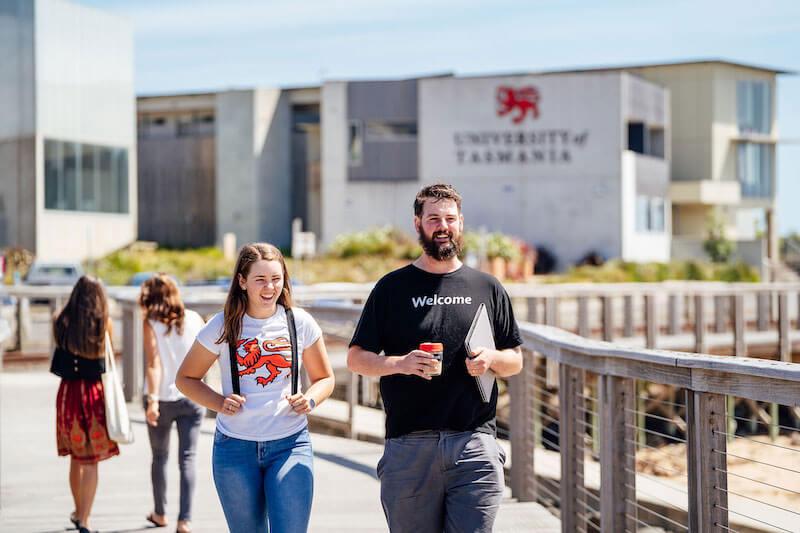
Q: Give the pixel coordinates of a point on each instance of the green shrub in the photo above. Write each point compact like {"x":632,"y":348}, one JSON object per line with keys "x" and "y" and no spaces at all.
{"x":617,"y":271}
{"x":383,"y":242}
{"x":737,"y":272}
{"x":717,"y":245}
{"x":496,"y":245}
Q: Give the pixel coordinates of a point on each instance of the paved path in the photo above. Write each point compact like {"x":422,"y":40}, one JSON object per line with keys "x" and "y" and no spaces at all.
{"x":34,"y":494}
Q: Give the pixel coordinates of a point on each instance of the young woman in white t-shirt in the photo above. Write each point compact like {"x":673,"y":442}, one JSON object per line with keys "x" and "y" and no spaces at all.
{"x":169,"y":332}
{"x":262,"y":460}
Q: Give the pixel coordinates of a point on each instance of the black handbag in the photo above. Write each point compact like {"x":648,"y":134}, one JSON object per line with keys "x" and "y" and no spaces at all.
{"x":295,"y":364}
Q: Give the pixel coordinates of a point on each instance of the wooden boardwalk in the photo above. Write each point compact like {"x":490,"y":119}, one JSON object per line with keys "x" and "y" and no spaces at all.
{"x":34,"y":494}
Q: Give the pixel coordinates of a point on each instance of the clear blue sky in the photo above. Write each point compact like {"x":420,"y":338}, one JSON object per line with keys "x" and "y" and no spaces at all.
{"x":191,"y":45}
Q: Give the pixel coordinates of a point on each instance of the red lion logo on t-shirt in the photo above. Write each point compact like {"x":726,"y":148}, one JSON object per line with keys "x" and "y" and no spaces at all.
{"x":522,"y":100}
{"x":254,"y":359}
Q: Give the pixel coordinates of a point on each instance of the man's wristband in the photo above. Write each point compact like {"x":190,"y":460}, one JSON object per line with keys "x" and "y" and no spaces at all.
{"x":152,"y":398}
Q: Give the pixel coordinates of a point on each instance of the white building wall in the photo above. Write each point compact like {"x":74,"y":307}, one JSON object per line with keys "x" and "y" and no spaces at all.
{"x":84,"y":93}
{"x":17,"y":113}
{"x":571,"y":207}
{"x":639,"y":246}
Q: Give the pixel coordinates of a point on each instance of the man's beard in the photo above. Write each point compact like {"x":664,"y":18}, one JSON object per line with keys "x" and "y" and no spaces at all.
{"x":440,"y":252}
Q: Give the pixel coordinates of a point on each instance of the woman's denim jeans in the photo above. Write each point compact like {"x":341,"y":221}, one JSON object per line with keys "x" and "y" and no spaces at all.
{"x":264,"y":486}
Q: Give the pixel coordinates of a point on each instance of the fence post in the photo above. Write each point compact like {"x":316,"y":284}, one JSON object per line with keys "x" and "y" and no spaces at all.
{"x":785,"y":344}
{"x":608,"y":318}
{"x":651,"y":320}
{"x":132,"y":350}
{"x":617,"y":455}
{"x":523,"y":430}
{"x":763,"y":304}
{"x":551,"y":311}
{"x":352,"y":403}
{"x":699,"y":324}
{"x":706,"y":462}
{"x":740,"y":345}
{"x":533,"y":310}
{"x":583,"y":317}
{"x":719,"y":314}
{"x":55,"y":305}
{"x":785,"y":352}
{"x":627,"y":316}
{"x":673,"y":315}
{"x":571,"y":438}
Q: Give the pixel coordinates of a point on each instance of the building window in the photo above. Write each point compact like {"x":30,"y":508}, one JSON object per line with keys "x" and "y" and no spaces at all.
{"x":754,"y":169}
{"x":650,"y":214}
{"x":754,"y":106}
{"x":355,"y":143}
{"x":644,"y":139}
{"x":85,"y":177}
{"x":391,"y":131}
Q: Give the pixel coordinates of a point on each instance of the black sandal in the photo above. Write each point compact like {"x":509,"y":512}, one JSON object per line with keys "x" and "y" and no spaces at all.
{"x":150,"y":518}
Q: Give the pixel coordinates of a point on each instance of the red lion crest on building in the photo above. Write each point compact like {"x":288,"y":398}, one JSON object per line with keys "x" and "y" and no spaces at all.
{"x":254,"y":359}
{"x":522,"y":100}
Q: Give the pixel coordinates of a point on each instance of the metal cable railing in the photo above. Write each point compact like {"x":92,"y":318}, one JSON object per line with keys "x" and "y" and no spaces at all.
{"x":759,"y":488}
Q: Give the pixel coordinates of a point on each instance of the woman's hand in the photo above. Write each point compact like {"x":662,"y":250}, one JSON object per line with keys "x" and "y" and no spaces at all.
{"x":152,"y":413}
{"x":299,"y":403}
{"x":231,"y":404}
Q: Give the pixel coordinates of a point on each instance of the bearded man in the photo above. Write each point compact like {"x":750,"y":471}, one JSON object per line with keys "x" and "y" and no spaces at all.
{"x":442,"y":468}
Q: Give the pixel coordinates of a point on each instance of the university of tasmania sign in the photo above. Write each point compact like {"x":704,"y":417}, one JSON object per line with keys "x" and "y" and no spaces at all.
{"x":517,"y":126}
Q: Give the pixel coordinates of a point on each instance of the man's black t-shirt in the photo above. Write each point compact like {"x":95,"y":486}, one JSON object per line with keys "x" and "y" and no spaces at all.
{"x":410,"y":306}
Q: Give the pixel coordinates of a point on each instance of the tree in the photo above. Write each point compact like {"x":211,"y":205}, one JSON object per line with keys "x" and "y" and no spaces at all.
{"x":717,"y":245}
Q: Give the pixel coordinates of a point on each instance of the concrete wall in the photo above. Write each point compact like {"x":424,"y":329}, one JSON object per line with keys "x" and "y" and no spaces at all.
{"x":176,"y":190}
{"x":84,"y":93}
{"x":176,"y":161}
{"x":384,"y":101}
{"x":17,"y":171}
{"x":17,"y":73}
{"x":253,"y":170}
{"x":237,"y":198}
{"x":273,"y":138}
{"x":691,"y":103}
{"x":352,"y":206}
{"x":17,"y":126}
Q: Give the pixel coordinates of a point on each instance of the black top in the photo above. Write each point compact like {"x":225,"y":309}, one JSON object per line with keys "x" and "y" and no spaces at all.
{"x":68,"y":365}
{"x":410,"y":306}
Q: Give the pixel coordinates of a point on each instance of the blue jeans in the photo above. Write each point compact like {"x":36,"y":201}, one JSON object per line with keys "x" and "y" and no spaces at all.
{"x":264,"y":486}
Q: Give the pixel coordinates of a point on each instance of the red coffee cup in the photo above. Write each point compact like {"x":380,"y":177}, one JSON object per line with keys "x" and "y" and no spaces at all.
{"x":436,"y":349}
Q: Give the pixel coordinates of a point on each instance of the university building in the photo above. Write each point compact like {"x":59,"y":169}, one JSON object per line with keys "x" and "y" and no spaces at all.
{"x":627,"y":162}
{"x":67,"y":134}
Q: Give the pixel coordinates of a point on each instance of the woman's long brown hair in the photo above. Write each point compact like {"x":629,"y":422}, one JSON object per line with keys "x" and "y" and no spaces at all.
{"x":236,"y":303}
{"x":161,"y":302}
{"x":80,"y":328}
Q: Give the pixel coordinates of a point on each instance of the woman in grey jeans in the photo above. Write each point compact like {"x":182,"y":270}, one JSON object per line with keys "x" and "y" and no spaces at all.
{"x":169,"y":331}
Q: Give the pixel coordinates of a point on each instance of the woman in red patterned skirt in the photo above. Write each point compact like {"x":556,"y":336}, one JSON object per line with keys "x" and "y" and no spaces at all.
{"x":80,"y":336}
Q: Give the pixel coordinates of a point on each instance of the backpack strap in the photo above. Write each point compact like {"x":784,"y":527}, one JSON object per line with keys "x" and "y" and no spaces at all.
{"x":293,"y":340}
{"x":234,"y":368}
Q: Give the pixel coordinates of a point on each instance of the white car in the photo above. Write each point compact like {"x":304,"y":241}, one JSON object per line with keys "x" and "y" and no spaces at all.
{"x":53,"y":273}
